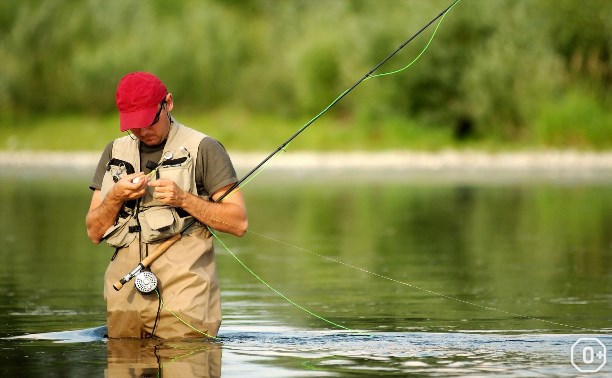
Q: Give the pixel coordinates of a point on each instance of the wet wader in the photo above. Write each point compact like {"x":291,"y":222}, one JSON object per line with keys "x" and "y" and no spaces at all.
{"x":186,"y":272}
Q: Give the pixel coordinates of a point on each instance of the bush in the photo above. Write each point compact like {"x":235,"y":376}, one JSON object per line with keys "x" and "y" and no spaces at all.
{"x":491,"y":71}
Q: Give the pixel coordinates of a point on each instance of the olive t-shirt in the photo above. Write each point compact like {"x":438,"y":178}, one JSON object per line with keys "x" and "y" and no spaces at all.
{"x":214,"y":169}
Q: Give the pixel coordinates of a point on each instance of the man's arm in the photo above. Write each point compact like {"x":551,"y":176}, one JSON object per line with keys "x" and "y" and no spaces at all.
{"x":103,"y":211}
{"x":227,"y":216}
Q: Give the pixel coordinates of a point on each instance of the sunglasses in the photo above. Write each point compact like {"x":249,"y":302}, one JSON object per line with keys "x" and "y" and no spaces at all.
{"x":155,"y":120}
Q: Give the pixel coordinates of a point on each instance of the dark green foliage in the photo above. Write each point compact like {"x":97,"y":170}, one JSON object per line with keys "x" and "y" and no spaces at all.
{"x":494,"y":70}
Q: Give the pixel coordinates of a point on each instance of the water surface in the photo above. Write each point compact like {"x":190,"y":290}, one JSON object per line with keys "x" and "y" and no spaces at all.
{"x":430,"y":275}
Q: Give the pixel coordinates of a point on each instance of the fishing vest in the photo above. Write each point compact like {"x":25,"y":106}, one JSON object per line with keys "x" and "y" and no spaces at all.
{"x":147,"y":217}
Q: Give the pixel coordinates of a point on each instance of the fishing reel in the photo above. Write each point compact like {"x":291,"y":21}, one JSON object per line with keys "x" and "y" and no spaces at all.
{"x":145,"y":282}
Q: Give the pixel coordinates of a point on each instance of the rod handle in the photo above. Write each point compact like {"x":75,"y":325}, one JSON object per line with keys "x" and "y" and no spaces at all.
{"x":118,"y":285}
{"x":163,"y":247}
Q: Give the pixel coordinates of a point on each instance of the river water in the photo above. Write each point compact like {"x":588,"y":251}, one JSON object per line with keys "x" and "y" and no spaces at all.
{"x":372,"y":273}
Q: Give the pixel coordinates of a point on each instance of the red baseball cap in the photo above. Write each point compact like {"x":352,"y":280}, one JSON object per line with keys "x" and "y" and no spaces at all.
{"x":138,"y":97}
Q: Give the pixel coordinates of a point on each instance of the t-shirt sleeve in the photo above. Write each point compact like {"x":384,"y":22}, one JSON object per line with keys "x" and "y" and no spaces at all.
{"x":96,"y":183}
{"x":214,"y":167}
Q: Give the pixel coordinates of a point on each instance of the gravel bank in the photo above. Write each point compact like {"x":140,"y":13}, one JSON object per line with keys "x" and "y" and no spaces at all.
{"x":394,"y":160}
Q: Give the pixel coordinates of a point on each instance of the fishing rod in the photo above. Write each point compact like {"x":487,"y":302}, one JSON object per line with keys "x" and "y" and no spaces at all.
{"x":346,"y":92}
{"x":146,"y":281}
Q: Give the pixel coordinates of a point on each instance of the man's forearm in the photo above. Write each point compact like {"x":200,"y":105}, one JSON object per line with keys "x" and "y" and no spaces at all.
{"x":103,"y":211}
{"x":225,"y":217}
{"x":101,"y":217}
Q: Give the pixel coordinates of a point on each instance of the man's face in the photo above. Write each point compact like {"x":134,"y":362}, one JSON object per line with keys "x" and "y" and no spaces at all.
{"x":157,"y":132}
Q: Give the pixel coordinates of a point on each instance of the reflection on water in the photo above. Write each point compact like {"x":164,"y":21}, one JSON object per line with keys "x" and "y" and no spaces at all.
{"x":442,"y":277}
{"x":289,"y":352}
{"x":151,"y":358}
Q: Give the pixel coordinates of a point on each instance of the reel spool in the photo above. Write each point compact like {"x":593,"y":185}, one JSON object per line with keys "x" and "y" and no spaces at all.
{"x":145,"y":282}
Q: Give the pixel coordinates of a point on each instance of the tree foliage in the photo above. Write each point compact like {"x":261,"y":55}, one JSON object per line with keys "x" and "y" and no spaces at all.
{"x":494,"y":68}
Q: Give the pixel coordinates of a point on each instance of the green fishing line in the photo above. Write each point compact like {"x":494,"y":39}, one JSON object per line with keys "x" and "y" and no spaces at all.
{"x":445,"y":296}
{"x":422,"y":51}
{"x":283,"y":148}
{"x":368,"y":76}
{"x":180,"y":319}
{"x":259,"y":169}
{"x":275,"y":290}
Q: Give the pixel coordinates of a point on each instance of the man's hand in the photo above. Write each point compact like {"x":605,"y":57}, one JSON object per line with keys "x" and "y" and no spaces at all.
{"x":129,"y":187}
{"x":168,"y":193}
{"x":103,"y":210}
{"x":229,"y":216}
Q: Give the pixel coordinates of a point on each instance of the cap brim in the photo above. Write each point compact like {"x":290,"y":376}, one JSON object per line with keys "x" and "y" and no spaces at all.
{"x":138,"y":119}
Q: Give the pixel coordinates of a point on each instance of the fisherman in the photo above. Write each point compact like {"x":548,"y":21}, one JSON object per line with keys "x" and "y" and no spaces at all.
{"x":160,"y":180}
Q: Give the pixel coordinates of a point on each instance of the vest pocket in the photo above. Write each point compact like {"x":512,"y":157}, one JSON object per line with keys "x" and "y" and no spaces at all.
{"x":180,"y":172}
{"x":156,"y":223}
{"x":119,"y":235}
{"x":161,"y":222}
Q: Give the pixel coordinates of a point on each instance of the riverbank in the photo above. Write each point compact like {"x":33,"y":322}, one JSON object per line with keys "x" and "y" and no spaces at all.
{"x":396,"y":160}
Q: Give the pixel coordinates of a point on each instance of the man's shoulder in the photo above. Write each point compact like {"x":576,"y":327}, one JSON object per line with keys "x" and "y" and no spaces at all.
{"x":189,"y":130}
{"x":211,"y":145}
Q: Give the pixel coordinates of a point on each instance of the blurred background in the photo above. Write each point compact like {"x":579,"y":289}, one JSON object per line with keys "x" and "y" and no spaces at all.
{"x":498,"y":74}
{"x":533,"y":243}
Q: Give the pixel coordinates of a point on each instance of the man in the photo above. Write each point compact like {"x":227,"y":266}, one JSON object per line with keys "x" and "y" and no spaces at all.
{"x":161,"y":180}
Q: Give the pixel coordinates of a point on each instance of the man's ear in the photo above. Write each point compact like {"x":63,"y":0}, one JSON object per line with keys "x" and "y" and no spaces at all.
{"x":169,"y":102}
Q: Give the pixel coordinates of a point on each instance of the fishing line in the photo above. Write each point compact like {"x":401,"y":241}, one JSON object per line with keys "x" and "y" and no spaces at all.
{"x":260,"y":167}
{"x":422,"y":51}
{"x":342,"y":95}
{"x":363,"y":270}
{"x":275,"y":290}
{"x":283,"y":148}
{"x":442,"y":295}
{"x":181,"y":320}
{"x":244,"y":183}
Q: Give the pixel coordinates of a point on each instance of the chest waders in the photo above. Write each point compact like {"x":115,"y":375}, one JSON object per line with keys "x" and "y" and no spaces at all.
{"x":186,"y":272}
